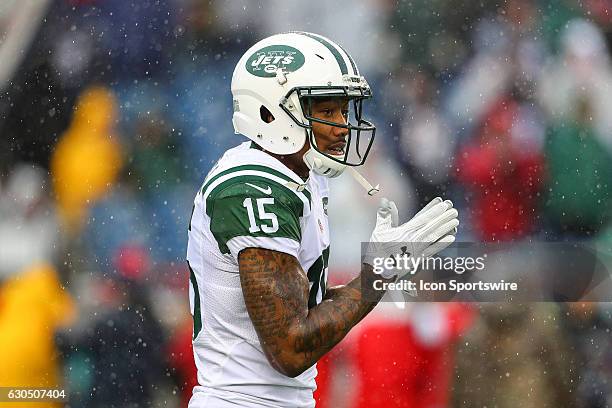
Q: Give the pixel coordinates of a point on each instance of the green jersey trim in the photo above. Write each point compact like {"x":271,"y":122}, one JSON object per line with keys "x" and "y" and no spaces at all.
{"x":317,"y":276}
{"x":197,"y":315}
{"x":257,"y":170}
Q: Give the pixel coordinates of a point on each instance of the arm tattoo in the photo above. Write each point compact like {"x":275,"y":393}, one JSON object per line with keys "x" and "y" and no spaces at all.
{"x":275,"y":291}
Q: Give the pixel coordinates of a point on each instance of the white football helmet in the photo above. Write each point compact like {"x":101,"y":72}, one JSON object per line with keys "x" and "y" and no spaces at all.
{"x":281,"y":75}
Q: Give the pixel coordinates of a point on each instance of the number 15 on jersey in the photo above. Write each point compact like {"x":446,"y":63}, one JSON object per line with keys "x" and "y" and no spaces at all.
{"x":255,"y":224}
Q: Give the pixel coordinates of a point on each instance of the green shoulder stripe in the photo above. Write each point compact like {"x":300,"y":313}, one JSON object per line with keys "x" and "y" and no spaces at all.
{"x":252,"y":167}
{"x":255,"y":206}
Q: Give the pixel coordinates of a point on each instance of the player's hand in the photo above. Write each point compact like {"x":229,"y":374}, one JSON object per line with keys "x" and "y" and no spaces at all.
{"x":430,"y":231}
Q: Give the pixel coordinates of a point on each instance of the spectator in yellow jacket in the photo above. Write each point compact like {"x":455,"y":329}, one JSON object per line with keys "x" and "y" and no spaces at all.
{"x":87,"y":158}
{"x":33,"y":305}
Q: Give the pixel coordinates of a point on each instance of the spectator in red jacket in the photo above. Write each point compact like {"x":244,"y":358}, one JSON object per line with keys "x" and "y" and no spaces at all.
{"x":416,"y":370}
{"x":502,"y":170}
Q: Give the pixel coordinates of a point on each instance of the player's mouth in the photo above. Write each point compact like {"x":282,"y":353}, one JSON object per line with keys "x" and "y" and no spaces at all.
{"x":337,"y":149}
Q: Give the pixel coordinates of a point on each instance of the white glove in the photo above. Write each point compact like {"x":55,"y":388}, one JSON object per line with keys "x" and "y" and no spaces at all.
{"x":430,"y":231}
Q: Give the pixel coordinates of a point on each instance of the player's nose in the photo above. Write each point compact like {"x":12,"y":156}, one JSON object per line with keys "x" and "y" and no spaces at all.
{"x":338,"y":131}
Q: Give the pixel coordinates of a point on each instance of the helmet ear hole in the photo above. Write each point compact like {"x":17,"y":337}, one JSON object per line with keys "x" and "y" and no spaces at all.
{"x":265,"y":114}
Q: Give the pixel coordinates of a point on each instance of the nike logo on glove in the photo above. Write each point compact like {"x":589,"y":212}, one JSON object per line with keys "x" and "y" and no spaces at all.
{"x":267,"y":191}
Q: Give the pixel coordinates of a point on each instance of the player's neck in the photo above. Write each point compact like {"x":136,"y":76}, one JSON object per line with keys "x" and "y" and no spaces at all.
{"x":295,"y":163}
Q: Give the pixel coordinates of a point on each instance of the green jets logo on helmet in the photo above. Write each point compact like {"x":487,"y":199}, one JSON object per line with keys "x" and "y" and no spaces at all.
{"x":265,"y":62}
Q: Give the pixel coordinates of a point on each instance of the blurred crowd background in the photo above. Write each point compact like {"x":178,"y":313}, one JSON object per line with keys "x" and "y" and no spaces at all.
{"x":113,"y":111}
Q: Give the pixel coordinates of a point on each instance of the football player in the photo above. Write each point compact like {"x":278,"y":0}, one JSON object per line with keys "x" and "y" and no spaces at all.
{"x":259,"y":239}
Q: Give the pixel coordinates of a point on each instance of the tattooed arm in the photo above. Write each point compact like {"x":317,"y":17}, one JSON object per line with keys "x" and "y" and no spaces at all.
{"x":275,"y":289}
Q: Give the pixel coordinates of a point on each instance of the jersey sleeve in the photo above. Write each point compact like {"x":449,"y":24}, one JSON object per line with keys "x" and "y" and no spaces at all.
{"x":255,"y":212}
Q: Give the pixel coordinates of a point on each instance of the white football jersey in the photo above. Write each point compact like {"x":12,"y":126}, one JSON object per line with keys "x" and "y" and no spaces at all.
{"x":249,"y":199}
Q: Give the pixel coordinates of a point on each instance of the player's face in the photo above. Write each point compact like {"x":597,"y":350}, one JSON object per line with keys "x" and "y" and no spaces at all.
{"x":330,"y":139}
